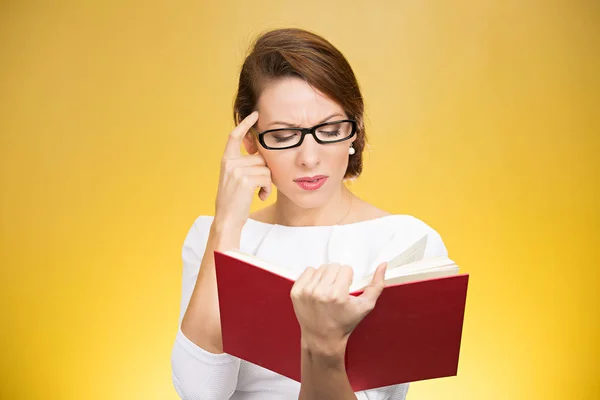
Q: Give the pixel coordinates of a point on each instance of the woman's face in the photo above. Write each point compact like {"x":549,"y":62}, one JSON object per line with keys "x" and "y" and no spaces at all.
{"x":292,"y":101}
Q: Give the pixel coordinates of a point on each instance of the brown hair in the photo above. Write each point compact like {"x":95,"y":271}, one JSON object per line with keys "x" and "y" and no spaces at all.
{"x":295,"y":52}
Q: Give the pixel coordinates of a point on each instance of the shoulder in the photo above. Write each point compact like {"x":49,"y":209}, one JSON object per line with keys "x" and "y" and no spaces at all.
{"x":197,"y":236}
{"x":201,"y":225}
{"x":371,"y":242}
{"x":399,"y":224}
{"x":397,"y":229}
{"x":403,"y":228}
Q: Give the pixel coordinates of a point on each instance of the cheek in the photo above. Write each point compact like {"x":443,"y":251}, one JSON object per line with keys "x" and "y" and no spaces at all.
{"x":279,"y":164}
{"x":340,"y":160}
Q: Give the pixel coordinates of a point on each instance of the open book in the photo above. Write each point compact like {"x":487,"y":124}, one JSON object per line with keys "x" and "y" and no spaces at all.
{"x":407,"y":266}
{"x":412,"y":334}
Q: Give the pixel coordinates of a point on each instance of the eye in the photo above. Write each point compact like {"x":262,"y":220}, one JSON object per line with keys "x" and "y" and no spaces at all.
{"x":284,"y":136}
{"x":330,"y":133}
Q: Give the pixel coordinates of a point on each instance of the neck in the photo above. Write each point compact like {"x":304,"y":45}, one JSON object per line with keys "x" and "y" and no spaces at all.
{"x":334,"y":212}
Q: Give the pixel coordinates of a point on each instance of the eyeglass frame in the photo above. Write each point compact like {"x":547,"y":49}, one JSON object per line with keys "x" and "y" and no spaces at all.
{"x":307,"y":131}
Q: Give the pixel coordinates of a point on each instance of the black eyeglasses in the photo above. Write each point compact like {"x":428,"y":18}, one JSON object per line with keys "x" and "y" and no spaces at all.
{"x":326,"y":133}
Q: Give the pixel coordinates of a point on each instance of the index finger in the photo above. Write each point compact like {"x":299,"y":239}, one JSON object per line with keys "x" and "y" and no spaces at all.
{"x":344,"y":277}
{"x":232,"y":149}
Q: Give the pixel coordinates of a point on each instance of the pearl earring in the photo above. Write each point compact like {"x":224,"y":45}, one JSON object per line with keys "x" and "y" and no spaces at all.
{"x":351,"y":150}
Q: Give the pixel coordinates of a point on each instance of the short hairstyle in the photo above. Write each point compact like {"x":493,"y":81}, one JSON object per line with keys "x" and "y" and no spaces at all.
{"x":299,"y":53}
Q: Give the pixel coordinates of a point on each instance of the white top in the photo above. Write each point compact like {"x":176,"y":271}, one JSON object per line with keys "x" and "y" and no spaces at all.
{"x":198,"y":374}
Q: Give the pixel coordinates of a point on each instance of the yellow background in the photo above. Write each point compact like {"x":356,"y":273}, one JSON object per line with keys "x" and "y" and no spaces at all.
{"x":483,"y":119}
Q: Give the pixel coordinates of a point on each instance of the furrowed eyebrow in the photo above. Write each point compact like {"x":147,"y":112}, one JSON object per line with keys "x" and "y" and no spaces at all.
{"x":296,"y":126}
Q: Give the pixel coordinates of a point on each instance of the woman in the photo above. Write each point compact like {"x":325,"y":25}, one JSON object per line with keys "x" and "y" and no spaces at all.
{"x":299,"y":112}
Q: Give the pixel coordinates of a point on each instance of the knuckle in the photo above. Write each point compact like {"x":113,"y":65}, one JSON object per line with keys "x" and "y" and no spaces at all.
{"x":332,"y":298}
{"x":367,"y":308}
{"x":321,"y":297}
{"x":338,"y":298}
{"x":295,"y":293}
{"x":370,"y":305}
{"x":228,"y":165}
{"x":324,"y":296}
{"x":232,"y":134}
{"x":237,"y":173}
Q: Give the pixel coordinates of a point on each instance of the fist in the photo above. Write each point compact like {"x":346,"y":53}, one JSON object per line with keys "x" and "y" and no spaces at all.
{"x":326,"y":311}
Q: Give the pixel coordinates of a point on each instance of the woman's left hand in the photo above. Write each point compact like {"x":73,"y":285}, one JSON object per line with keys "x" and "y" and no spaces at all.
{"x":326,"y":312}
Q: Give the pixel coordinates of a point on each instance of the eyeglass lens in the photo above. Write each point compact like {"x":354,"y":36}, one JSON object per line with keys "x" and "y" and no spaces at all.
{"x":290,"y":137}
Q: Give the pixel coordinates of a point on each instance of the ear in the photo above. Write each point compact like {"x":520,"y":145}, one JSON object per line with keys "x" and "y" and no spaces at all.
{"x":250,"y":142}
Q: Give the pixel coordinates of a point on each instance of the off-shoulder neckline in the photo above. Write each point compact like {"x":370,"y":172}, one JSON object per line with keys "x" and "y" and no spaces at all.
{"x":352,"y":224}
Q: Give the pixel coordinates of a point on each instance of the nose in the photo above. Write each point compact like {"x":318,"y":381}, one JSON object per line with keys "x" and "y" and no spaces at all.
{"x":309,"y":153}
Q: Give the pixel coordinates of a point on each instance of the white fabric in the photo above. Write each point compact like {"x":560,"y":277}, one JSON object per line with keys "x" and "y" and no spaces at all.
{"x":198,"y":374}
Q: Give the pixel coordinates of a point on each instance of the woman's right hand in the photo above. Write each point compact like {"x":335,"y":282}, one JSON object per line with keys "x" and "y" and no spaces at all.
{"x":240,"y":176}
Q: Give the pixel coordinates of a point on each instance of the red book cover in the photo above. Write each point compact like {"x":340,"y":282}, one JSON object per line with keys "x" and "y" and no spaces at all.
{"x":413,"y":333}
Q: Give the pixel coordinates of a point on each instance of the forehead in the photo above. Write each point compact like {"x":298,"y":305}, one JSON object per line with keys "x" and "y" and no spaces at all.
{"x":294,"y":101}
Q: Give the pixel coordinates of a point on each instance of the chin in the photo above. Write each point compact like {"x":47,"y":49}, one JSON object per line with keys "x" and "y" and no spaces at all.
{"x":307,"y":199}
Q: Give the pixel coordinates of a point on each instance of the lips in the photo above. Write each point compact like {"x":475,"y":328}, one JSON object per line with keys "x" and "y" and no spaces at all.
{"x":311,"y":182}
{"x":310,"y":178}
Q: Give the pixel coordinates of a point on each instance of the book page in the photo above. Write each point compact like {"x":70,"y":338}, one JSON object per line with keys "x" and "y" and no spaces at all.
{"x":423,"y":265}
{"x":423,"y":269}
{"x":440,"y":272}
{"x":414,"y":253}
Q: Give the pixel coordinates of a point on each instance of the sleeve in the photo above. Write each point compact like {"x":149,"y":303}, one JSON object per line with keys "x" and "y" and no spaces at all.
{"x":435,"y":247}
{"x":394,"y":392}
{"x":435,"y":244}
{"x":198,"y":374}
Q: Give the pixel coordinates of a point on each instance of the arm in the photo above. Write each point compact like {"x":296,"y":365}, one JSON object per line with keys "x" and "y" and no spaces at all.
{"x":201,"y":322}
{"x":324,"y":374}
{"x":238,"y":179}
{"x":200,"y":368}
{"x":199,"y":372}
{"x":327,"y":315}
